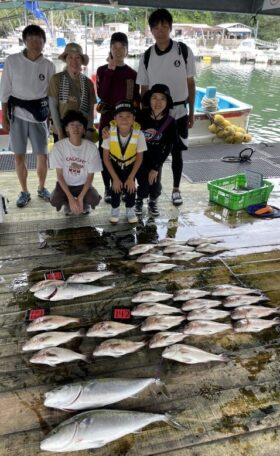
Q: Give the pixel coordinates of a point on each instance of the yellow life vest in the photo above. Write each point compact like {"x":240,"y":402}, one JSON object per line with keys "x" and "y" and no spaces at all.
{"x":116,"y":154}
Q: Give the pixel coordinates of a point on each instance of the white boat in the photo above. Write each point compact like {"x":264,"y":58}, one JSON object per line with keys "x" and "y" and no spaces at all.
{"x":232,"y":109}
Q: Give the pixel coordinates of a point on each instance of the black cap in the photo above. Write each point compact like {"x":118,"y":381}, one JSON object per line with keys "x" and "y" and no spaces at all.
{"x":124,"y":106}
{"x":120,"y":38}
{"x":158,"y":88}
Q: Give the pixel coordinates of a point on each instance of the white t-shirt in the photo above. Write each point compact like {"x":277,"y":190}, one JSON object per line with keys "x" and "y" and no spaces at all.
{"x":169,"y":69}
{"x":141,"y":142}
{"x":25,"y":79}
{"x":76,"y":161}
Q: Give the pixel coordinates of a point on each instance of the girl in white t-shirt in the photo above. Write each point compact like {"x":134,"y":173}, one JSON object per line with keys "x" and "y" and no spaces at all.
{"x":76,"y":160}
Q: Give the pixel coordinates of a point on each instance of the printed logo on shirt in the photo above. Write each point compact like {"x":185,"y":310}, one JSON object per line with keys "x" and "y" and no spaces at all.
{"x":42,"y":77}
{"x":152,"y":135}
{"x":177,"y":63}
{"x":75,"y":169}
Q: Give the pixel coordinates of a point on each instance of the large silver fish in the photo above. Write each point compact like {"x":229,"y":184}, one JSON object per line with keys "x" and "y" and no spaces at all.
{"x":95,"y":393}
{"x":96,"y":428}
{"x":189,"y":293}
{"x":153,"y":308}
{"x":48,"y":322}
{"x":87,"y":277}
{"x":152,"y":258}
{"x":207,"y":314}
{"x":46,"y":283}
{"x":117,"y":347}
{"x":109,"y":329}
{"x":205,"y":328}
{"x":185,"y":256}
{"x":165,"y":338}
{"x":141,"y":248}
{"x":196,"y":241}
{"x":242,"y":300}
{"x":229,"y":290}
{"x":191,"y":355}
{"x":157,"y":268}
{"x":254,"y":324}
{"x":161,"y":322}
{"x":69,"y":291}
{"x":200,"y":302}
{"x":56,"y":355}
{"x":51,"y":339}
{"x":151,"y":296}
{"x":210,"y":248}
{"x":253,"y":312}
{"x":174,"y":248}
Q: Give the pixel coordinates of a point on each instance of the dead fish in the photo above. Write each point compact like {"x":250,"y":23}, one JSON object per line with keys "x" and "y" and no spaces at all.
{"x":96,"y":393}
{"x":229,"y":290}
{"x":70,"y":291}
{"x":254,"y":324}
{"x":191,"y":355}
{"x":152,"y":258}
{"x":253,"y":312}
{"x":205,"y":328}
{"x":200,"y":302}
{"x":87,"y":277}
{"x":56,"y":355}
{"x":46,"y":283}
{"x":189,"y":293}
{"x":157,"y":267}
{"x":209,"y":248}
{"x":196,"y":241}
{"x":109,"y":329}
{"x":207,"y":314}
{"x":242,"y":300}
{"x":48,"y":322}
{"x":151,"y":296}
{"x":153,"y":308}
{"x":174,"y":248}
{"x":161,"y":322}
{"x":141,"y":248}
{"x":171,"y":241}
{"x":117,"y":347}
{"x":185,"y":256}
{"x":51,"y":339}
{"x":46,"y":292}
{"x":165,"y":338}
{"x":96,"y":428}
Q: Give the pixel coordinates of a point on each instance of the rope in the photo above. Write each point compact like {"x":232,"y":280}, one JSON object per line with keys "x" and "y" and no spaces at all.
{"x":243,"y":157}
{"x":209,"y":104}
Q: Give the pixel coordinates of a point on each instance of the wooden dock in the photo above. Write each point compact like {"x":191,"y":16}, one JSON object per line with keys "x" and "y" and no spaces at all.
{"x":228,"y":409}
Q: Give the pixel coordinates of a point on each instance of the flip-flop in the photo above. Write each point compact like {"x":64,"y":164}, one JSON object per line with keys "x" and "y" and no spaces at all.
{"x":263,"y":211}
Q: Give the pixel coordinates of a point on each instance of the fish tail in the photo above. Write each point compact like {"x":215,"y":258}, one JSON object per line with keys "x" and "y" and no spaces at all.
{"x":87,"y":358}
{"x":81,"y":332}
{"x":171,"y":420}
{"x":277,"y":319}
{"x":225,"y":358}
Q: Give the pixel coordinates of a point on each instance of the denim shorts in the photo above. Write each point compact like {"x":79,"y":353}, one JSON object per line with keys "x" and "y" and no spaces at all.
{"x":22,"y":130}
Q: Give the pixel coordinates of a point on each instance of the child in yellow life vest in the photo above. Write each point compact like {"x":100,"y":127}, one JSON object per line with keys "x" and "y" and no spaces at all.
{"x":123,"y":155}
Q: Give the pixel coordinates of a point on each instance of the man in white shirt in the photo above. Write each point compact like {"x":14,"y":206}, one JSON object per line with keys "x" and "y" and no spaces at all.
{"x":171,"y":63}
{"x":23,"y":93}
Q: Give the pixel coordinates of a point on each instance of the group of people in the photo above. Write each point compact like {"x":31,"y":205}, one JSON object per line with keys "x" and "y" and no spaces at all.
{"x":144,"y":117}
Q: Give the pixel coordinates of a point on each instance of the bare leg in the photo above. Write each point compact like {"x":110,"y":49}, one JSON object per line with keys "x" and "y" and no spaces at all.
{"x":42,"y":169}
{"x":21,"y":171}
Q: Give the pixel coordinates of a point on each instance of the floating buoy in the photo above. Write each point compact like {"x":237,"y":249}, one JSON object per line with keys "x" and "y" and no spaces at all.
{"x":230,"y":133}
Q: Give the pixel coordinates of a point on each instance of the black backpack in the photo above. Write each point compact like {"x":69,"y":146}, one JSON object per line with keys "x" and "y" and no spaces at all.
{"x":182,"y":49}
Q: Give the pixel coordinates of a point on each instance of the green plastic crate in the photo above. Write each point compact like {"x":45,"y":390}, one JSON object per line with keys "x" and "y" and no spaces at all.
{"x":221,"y":191}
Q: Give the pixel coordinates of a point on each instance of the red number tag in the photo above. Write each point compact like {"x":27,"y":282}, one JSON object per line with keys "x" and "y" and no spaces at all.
{"x":121,"y":313}
{"x":54,"y":275}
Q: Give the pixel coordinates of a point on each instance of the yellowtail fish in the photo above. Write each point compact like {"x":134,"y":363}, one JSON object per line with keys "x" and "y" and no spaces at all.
{"x":207,"y":314}
{"x":56,"y":355}
{"x":242,"y":300}
{"x":229,"y":290}
{"x":161,"y":322}
{"x":189,"y":293}
{"x":151,"y":296}
{"x":51,"y":339}
{"x":165,"y":338}
{"x":96,"y":428}
{"x":253,"y":312}
{"x":191,"y":355}
{"x":199,"y":303}
{"x":254,"y":324}
{"x":205,"y":328}
{"x":109,"y":329}
{"x":46,"y":283}
{"x":48,"y":322}
{"x":153,"y":308}
{"x":96,"y":393}
{"x":69,"y":291}
{"x":117,"y":347}
{"x":87,"y":277}
{"x":157,"y":268}
{"x":141,"y":248}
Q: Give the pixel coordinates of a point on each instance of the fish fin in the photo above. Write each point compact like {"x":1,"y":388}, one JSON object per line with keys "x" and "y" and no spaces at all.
{"x":171,"y":420}
{"x":276,"y":319}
